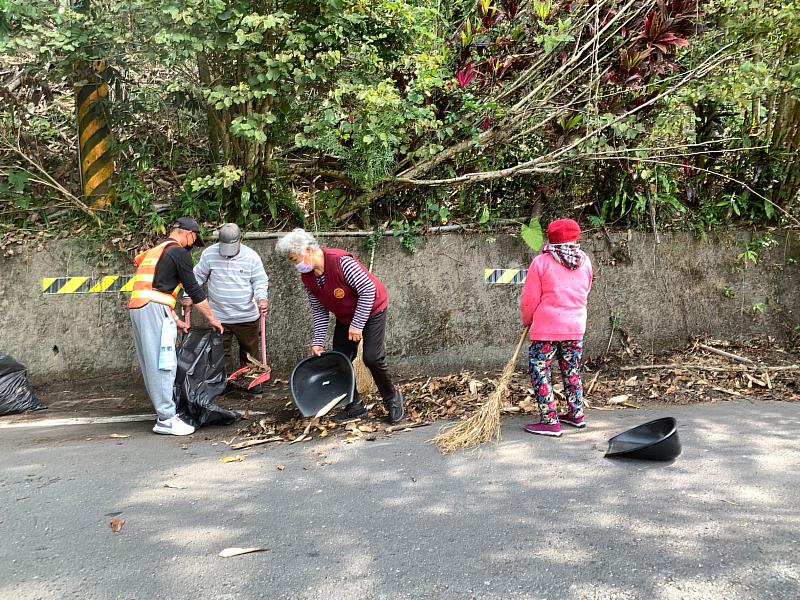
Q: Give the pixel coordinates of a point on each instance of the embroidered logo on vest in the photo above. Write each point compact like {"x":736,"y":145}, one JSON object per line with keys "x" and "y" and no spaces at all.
{"x":339,"y":293}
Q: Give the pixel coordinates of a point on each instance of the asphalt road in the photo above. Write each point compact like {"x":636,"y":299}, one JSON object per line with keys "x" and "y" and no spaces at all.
{"x":529,"y":518}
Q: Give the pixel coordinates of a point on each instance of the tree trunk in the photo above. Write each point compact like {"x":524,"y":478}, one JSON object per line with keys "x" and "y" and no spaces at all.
{"x":212,"y":124}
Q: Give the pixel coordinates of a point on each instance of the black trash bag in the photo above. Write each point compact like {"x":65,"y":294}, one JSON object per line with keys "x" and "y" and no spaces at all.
{"x":16,"y":393}
{"x":201,"y":378}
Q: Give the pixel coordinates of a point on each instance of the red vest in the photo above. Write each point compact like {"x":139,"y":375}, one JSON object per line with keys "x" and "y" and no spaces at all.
{"x":337,"y":295}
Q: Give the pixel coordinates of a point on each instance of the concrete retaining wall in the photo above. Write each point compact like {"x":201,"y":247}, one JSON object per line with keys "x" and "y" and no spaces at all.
{"x":443,"y":316}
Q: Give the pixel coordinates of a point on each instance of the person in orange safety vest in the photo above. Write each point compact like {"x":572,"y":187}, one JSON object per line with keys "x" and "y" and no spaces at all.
{"x":161,"y":272}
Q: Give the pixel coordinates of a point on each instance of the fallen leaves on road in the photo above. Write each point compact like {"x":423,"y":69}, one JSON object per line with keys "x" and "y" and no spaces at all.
{"x":701,"y":372}
{"x":614,"y":382}
{"x":116,"y":524}
{"x":428,"y":399}
{"x":229,"y":552}
{"x":230,"y":459}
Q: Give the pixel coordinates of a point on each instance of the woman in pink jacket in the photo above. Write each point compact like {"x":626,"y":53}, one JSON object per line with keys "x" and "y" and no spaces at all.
{"x":553,"y":303}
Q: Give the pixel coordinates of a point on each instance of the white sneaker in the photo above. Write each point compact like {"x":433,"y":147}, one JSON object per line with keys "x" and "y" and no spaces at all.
{"x":173,"y":426}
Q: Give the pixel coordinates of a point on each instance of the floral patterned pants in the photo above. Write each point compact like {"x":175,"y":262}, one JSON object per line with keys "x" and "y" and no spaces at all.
{"x":569,"y":354}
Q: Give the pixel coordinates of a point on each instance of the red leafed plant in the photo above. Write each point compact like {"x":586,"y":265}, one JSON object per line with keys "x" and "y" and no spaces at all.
{"x":496,"y":69}
{"x":667,"y":27}
{"x":511,"y":8}
{"x":487,"y":11}
{"x":466,"y":75}
{"x":664,"y":30}
{"x":631,"y":69}
{"x":662,"y":33}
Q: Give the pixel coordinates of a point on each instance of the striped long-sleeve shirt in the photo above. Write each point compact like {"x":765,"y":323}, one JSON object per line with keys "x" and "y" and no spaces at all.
{"x":234,"y":284}
{"x":356,"y":277}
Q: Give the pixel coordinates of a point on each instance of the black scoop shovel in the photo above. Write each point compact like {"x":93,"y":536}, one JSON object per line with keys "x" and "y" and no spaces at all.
{"x":655,"y":440}
{"x":318,"y":380}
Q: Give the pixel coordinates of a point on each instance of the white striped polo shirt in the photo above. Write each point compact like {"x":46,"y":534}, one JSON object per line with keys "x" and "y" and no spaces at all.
{"x":234,"y":284}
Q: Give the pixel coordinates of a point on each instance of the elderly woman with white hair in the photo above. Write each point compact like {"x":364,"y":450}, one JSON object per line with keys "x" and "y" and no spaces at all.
{"x":336,"y":282}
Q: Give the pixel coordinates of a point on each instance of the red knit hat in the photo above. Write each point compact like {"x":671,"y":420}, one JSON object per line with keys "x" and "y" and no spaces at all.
{"x":563,"y":230}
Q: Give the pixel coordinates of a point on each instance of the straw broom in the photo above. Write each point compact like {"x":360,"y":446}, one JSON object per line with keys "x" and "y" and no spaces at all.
{"x":484,"y":424}
{"x":365,"y":384}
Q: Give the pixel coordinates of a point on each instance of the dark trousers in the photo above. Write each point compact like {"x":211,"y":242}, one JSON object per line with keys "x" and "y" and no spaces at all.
{"x":374,"y":351}
{"x":249,"y":342}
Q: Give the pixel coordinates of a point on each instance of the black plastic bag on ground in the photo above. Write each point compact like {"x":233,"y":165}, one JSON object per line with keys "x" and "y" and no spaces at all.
{"x":201,"y":378}
{"x":16,"y":393}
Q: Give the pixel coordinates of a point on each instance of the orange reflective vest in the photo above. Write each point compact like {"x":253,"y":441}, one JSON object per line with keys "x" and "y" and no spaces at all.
{"x":143,"y":291}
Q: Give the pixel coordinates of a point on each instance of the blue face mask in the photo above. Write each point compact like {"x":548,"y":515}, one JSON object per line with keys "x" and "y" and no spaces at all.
{"x":303,"y":267}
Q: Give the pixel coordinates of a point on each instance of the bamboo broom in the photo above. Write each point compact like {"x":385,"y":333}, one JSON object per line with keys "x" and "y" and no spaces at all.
{"x":484,"y":424}
{"x":365,"y":384}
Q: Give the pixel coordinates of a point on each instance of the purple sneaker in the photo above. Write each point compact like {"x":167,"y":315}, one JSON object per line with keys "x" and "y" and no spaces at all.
{"x":569,"y":419}
{"x":551,"y":429}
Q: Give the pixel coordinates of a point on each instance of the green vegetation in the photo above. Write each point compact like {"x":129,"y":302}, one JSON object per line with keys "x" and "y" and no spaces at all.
{"x":403,"y":113}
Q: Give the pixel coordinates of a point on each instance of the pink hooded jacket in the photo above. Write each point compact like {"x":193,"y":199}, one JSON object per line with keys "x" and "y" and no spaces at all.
{"x":554,"y":299}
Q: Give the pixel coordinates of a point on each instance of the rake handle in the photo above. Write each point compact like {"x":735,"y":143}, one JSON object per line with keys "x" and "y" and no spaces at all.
{"x":262,"y":319}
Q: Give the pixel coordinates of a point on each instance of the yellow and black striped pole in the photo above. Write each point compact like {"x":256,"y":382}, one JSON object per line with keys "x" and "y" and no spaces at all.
{"x":95,"y":144}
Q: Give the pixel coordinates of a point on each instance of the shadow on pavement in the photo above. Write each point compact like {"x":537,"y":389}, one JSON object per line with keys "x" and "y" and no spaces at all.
{"x":528,"y":518}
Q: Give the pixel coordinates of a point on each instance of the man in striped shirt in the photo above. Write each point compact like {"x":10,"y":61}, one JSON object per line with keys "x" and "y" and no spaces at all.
{"x":337,"y":282}
{"x":237,"y":292}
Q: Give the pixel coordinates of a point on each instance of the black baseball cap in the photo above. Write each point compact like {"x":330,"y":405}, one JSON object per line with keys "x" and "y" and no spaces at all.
{"x":189,"y":224}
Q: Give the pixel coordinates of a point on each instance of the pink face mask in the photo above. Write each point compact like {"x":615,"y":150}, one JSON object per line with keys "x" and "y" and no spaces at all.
{"x":303,"y":267}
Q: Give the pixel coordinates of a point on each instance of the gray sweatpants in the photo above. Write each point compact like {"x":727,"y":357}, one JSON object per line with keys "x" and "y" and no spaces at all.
{"x":147,"y":322}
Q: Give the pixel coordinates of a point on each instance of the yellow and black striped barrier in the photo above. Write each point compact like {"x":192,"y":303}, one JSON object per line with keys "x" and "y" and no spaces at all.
{"x":124,"y":283}
{"x":87,"y":285}
{"x":502,"y":276}
{"x":95,"y":142}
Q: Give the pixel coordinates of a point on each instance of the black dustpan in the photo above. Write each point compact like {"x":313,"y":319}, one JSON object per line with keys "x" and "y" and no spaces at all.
{"x":318,"y":380}
{"x":655,"y":440}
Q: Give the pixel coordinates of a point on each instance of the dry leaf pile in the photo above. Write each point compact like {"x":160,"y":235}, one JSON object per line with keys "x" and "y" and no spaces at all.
{"x":454,"y":396}
{"x":705,"y":371}
{"x":427,"y":399}
{"x":622,"y":381}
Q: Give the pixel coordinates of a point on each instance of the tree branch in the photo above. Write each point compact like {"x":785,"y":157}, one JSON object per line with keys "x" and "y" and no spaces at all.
{"x":721,"y":176}
{"x":50,"y":182}
{"x":553,"y":159}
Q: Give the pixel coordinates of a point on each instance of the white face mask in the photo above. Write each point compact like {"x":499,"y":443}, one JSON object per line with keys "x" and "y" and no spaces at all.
{"x":302,"y":267}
